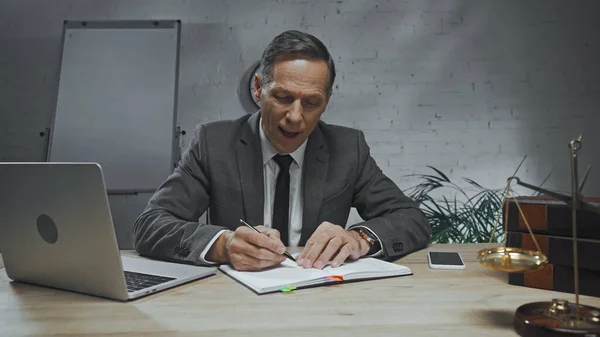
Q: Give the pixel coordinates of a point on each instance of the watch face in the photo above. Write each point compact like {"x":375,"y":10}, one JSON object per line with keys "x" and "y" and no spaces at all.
{"x":251,"y":86}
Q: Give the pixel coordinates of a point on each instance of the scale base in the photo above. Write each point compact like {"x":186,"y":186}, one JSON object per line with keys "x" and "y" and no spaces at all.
{"x":556,"y":318}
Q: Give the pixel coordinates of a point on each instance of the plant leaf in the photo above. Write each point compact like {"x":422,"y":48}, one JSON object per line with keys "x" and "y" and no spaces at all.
{"x":440,"y":173}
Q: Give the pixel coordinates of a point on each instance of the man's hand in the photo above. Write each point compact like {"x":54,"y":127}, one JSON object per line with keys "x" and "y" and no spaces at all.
{"x":330,"y":241}
{"x":245,"y":249}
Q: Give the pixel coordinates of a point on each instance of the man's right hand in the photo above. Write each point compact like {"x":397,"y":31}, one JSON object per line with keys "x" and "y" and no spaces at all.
{"x":246,"y":249}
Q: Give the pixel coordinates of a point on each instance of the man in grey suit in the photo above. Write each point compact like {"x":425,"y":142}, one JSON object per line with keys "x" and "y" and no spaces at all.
{"x":286,"y":171}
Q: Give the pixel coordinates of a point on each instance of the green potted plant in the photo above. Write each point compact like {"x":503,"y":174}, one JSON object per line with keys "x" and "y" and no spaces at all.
{"x":457,"y":214}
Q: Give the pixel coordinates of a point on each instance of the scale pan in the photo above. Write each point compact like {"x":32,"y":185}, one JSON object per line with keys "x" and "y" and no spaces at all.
{"x":511,"y":259}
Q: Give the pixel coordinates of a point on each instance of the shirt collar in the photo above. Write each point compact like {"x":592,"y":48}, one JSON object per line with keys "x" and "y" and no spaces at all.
{"x":268,"y":151}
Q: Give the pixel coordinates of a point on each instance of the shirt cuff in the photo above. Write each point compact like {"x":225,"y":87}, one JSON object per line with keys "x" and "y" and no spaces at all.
{"x":203,"y":254}
{"x":380,"y":251}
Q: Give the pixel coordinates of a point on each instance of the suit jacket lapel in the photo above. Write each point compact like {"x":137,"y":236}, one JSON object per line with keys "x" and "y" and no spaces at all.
{"x":249,"y":159}
{"x":316,"y":160}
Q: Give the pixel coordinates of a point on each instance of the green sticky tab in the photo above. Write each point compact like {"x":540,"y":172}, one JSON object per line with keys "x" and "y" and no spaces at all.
{"x":287,"y":289}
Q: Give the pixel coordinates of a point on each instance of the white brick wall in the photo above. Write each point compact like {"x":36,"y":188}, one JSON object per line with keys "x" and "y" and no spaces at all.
{"x":467,"y":86}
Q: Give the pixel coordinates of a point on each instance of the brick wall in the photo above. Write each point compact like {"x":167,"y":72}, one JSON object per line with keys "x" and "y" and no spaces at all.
{"x":469,"y":87}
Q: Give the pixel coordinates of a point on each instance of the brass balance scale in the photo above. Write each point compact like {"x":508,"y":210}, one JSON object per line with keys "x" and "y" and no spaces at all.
{"x":558,"y":317}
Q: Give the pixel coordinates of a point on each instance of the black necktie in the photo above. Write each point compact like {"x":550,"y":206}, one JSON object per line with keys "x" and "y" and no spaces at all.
{"x":281,"y":202}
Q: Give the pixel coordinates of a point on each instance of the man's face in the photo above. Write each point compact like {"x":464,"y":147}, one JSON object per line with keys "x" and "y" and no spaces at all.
{"x":292,"y":104}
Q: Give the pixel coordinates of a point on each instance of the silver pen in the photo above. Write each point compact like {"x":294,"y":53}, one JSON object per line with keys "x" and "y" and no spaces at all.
{"x":288,"y":255}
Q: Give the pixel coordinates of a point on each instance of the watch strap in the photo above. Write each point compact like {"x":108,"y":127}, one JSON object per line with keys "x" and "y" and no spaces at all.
{"x":370,"y":238}
{"x":365,"y":236}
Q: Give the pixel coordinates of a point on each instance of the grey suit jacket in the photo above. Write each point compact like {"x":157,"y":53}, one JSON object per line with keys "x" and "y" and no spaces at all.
{"x":222,"y":169}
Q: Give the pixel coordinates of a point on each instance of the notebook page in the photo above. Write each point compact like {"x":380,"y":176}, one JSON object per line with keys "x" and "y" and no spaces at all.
{"x":368,"y":267}
{"x":287,"y":273}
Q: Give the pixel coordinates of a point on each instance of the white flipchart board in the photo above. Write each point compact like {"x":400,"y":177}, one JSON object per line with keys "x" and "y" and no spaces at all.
{"x":117,"y":101}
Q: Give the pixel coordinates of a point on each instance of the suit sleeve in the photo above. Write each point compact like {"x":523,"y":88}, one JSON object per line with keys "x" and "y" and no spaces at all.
{"x":168,"y":228}
{"x":394,"y":217}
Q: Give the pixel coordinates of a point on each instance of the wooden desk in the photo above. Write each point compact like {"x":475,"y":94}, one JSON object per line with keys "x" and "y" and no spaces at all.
{"x":475,"y":301}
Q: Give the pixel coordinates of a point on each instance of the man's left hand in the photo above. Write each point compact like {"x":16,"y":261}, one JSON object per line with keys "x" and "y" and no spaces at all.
{"x":332,"y":241}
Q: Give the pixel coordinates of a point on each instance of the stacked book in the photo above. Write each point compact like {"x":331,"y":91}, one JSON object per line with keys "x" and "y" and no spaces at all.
{"x":551,"y":222}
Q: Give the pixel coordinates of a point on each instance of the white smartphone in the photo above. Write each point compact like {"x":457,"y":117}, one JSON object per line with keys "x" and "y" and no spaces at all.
{"x":445,"y":260}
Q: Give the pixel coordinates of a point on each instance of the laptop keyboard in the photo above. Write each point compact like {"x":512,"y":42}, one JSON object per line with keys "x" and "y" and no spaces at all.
{"x":138,"y":281}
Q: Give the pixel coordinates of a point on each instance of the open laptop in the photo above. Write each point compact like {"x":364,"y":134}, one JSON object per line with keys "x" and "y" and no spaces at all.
{"x":56,"y":230}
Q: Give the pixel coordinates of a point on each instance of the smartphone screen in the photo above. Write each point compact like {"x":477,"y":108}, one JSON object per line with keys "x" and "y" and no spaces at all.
{"x":445,"y":258}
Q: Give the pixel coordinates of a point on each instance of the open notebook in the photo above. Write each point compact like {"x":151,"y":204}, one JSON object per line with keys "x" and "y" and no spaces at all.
{"x":288,"y":276}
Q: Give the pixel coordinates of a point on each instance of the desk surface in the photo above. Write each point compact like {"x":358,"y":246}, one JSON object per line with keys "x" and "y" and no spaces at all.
{"x":471,"y":302}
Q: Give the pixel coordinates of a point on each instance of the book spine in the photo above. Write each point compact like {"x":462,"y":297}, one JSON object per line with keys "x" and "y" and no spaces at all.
{"x":559,"y":250}
{"x":558,"y":278}
{"x":551,"y":218}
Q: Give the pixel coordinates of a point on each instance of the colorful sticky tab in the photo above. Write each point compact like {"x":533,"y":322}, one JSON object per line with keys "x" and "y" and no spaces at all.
{"x":287,"y":289}
{"x":334,"y":278}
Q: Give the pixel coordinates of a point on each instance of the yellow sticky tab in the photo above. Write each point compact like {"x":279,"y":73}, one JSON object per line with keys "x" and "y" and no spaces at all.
{"x":287,"y":289}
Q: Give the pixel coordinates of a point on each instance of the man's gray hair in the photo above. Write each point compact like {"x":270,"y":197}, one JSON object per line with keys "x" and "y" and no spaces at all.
{"x":294,"y":43}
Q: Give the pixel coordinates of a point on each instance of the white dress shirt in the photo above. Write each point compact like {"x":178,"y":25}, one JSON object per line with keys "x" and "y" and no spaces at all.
{"x":270,"y":171}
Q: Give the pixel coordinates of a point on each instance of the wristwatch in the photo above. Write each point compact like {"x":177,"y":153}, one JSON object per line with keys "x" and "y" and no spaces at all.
{"x":371,"y":239}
